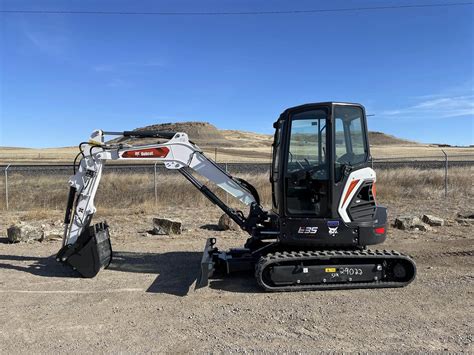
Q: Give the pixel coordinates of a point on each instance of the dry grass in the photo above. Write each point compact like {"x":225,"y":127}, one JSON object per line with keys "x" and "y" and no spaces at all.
{"x":412,"y":184}
{"x":247,"y":151}
{"x":136,"y":190}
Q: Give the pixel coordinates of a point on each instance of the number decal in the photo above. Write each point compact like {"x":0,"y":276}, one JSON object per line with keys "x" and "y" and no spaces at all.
{"x":351,"y":271}
{"x":308,"y":230}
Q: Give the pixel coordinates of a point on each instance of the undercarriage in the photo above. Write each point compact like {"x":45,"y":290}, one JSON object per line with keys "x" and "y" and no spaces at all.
{"x":278,"y":269}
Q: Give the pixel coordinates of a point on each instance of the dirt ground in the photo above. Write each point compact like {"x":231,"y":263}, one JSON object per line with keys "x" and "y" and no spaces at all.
{"x":146,"y":302}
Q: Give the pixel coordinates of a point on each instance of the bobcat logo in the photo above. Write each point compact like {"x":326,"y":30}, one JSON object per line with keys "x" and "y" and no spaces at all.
{"x":332,"y":228}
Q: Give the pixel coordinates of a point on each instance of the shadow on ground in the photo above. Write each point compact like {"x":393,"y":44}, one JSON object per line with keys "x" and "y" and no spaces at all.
{"x":210,"y":227}
{"x":177,"y":271}
{"x":237,"y":283}
{"x":39,"y":266}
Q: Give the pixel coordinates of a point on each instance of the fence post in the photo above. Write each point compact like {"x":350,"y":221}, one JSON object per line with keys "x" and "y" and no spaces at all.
{"x":215,"y":155}
{"x":226,"y":194}
{"x":6,"y":185}
{"x":154,"y":184}
{"x":445,"y":173}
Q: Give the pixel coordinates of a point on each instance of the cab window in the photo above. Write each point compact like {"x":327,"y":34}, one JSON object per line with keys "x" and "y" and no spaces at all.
{"x":350,"y":144}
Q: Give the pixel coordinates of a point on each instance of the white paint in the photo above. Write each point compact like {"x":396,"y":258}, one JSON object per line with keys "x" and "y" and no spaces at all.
{"x":181,"y":153}
{"x":363,"y":175}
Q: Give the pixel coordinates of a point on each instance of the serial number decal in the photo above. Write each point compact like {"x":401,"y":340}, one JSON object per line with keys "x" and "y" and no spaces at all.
{"x":350,"y":271}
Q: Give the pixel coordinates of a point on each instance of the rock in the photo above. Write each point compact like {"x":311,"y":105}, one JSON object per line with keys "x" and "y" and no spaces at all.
{"x":23,"y":232}
{"x":407,"y":222}
{"x":226,"y":223}
{"x":466,"y":214}
{"x":164,"y":226}
{"x":432,"y":220}
{"x":423,"y":227}
{"x":465,"y":221}
{"x":449,"y":222}
{"x":53,"y":231}
{"x":411,"y":223}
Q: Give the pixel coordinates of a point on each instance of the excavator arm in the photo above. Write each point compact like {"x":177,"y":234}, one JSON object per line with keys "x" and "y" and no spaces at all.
{"x":87,"y":248}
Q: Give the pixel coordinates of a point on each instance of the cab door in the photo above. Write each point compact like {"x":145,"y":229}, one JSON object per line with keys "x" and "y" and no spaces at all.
{"x":307,"y":164}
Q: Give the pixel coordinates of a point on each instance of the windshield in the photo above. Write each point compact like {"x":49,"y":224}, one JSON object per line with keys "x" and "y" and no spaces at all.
{"x":307,"y":169}
{"x":307,"y":150}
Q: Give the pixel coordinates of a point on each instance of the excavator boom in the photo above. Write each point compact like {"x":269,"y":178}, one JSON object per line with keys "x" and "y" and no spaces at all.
{"x":178,"y":153}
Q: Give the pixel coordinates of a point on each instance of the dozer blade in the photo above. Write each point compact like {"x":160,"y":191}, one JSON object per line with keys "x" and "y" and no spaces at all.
{"x":207,"y":263}
{"x":91,"y":252}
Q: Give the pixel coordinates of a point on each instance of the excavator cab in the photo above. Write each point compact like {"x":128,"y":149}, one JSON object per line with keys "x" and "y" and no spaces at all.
{"x":314,"y":148}
{"x":322,"y":183}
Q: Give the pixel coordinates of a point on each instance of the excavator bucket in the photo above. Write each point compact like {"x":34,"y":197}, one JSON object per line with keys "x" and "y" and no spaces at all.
{"x":91,"y":252}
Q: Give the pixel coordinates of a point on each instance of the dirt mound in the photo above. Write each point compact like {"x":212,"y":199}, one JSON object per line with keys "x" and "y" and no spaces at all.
{"x":195,"y":130}
{"x":205,"y":134}
{"x":379,"y":138}
{"x":201,"y":133}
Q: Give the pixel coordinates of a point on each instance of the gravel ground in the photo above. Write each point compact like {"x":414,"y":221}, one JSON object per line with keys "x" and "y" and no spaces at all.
{"x":146,"y":302}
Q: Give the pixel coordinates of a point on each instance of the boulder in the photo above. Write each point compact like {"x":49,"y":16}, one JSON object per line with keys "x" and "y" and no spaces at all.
{"x":432,"y":220}
{"x":408,"y":222}
{"x":22,"y":232}
{"x":165,"y":226}
{"x":422,"y":227}
{"x":53,"y":231}
{"x":465,"y":221}
{"x":466,"y":214}
{"x":226,"y":223}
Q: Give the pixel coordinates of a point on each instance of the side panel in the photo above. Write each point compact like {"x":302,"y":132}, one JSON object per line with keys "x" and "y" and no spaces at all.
{"x":318,"y":232}
{"x":352,"y":185}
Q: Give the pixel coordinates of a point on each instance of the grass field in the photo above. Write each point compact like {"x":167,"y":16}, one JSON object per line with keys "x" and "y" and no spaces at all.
{"x":257,"y":154}
{"x":130,"y":190}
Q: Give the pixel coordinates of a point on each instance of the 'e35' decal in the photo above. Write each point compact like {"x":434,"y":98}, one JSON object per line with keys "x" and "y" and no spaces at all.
{"x":308,"y":230}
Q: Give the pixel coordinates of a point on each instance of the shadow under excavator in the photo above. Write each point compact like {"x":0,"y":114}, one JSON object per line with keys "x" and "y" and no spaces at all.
{"x":177,"y":271}
{"x":241,"y":282}
{"x":39,"y":266}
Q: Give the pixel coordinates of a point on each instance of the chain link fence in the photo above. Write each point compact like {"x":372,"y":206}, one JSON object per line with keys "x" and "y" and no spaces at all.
{"x":45,"y":186}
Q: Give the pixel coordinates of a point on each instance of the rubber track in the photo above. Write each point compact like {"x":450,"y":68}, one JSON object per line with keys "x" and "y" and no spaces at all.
{"x":277,"y":257}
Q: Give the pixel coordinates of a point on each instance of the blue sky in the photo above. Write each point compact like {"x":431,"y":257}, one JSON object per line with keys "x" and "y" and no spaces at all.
{"x":64,"y":75}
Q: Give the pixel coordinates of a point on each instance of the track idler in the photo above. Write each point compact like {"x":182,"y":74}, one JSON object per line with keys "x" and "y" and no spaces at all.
{"x":91,"y":252}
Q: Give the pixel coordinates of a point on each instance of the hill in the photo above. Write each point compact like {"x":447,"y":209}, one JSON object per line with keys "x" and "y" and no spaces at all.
{"x":231,"y":146}
{"x":379,"y":138}
{"x":205,"y":134}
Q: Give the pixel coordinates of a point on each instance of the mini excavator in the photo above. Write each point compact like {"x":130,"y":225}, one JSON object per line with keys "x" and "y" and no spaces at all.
{"x":324,"y":212}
